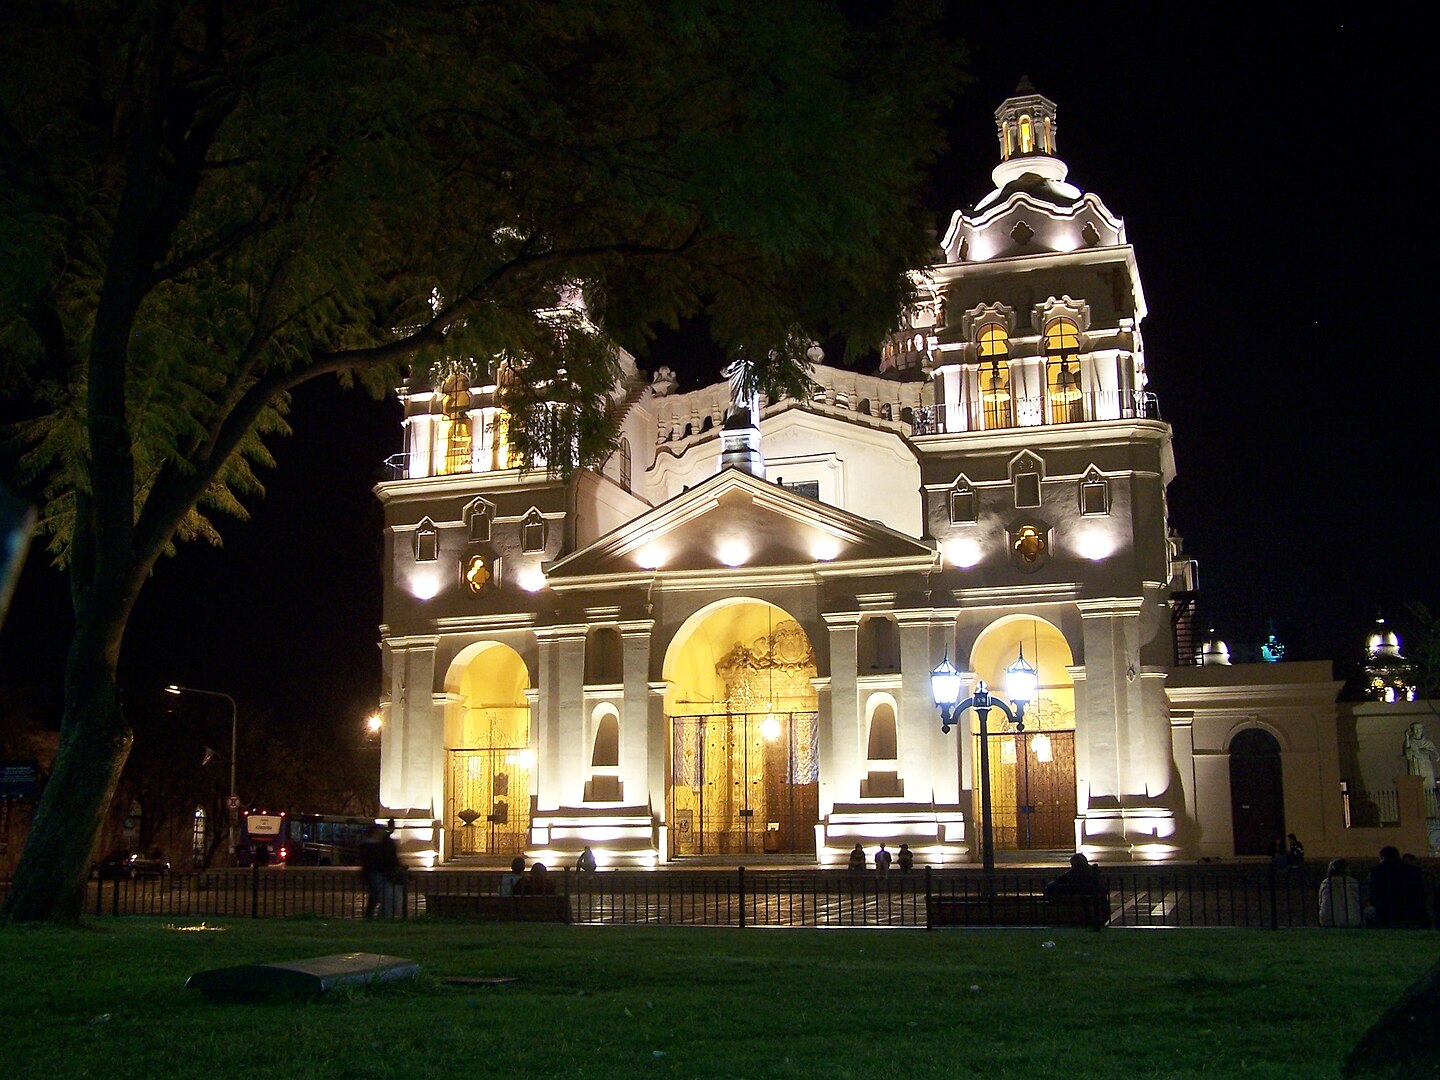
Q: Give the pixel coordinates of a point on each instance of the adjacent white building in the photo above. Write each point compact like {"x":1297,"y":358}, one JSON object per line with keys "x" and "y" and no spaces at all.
{"x":720,"y":644}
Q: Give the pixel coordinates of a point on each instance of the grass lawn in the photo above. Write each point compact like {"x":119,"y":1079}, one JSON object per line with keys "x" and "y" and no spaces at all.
{"x":107,"y":1001}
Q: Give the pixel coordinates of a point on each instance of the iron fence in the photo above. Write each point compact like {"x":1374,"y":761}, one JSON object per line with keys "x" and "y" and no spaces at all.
{"x":1222,"y":895}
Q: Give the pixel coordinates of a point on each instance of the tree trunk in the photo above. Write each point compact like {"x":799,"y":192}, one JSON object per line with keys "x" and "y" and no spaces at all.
{"x":1405,"y":1042}
{"x":49,"y":884}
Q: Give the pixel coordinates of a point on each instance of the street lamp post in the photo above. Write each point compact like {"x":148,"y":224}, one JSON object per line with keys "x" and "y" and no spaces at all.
{"x":1021,"y":683}
{"x":232,"y":804}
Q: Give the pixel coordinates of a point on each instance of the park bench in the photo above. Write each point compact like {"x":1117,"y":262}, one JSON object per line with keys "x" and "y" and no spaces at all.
{"x":496,"y":908}
{"x":1017,"y":909}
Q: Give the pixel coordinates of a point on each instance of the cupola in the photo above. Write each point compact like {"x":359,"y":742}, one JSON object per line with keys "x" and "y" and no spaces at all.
{"x":1025,"y":126}
{"x":1383,"y":643}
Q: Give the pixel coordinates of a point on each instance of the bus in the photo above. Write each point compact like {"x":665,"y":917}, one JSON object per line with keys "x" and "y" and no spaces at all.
{"x":324,"y":840}
{"x":303,"y":839}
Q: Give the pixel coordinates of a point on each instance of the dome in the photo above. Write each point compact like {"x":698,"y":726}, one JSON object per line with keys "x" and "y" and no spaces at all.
{"x":1214,"y":652}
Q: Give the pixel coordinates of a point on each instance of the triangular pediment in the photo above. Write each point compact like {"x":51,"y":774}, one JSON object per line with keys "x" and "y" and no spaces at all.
{"x":735,"y":520}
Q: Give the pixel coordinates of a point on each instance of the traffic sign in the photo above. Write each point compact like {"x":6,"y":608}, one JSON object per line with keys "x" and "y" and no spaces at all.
{"x":233,"y":802}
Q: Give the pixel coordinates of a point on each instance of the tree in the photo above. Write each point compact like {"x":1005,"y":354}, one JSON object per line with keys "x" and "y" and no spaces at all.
{"x":205,"y":205}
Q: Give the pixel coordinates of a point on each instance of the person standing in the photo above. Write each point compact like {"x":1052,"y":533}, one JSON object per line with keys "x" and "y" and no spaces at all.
{"x":882,"y":862}
{"x":905,"y":859}
{"x":586,"y":862}
{"x":514,"y":877}
{"x":377,"y":853}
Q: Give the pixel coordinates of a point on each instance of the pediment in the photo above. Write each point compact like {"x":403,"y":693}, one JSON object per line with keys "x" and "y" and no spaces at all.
{"x":733,"y":521}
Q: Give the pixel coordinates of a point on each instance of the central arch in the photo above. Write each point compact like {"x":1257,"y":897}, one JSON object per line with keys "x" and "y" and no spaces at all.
{"x":1032,"y":773}
{"x":740,"y":706}
{"x":489,"y":759}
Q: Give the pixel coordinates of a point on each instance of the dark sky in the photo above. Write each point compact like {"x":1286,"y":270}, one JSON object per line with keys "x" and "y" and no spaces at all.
{"x":1270,"y":181}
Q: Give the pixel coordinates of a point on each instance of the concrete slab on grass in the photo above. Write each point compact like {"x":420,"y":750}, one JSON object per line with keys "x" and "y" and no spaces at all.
{"x":317,"y":975}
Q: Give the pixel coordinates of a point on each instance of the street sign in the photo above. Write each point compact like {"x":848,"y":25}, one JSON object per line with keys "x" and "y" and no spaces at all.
{"x":263,"y":824}
{"x":19,"y":779}
{"x":233,"y":802}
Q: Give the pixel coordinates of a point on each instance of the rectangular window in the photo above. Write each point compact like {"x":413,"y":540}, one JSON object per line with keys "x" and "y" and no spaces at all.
{"x":532,"y":535}
{"x":962,"y":507}
{"x":1094,"y":498}
{"x":1027,"y":489}
{"x":479,"y":526}
{"x":427,"y":544}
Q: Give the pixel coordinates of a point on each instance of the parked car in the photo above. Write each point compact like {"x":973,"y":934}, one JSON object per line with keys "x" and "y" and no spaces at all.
{"x":125,"y":863}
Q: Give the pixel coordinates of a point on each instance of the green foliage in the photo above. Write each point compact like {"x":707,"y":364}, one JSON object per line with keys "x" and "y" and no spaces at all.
{"x":263,"y":193}
{"x":607,"y":1002}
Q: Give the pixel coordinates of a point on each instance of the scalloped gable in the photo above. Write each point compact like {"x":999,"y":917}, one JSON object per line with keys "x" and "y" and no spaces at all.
{"x":735,"y":520}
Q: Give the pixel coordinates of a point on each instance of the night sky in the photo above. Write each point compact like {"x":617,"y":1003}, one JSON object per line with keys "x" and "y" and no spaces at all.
{"x":1270,"y":181}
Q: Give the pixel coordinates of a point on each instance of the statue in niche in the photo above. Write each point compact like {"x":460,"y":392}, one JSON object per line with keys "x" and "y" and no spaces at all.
{"x":1420,"y":755}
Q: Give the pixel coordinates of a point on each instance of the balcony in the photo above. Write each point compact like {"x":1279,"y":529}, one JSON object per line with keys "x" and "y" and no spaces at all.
{"x":1005,"y":413}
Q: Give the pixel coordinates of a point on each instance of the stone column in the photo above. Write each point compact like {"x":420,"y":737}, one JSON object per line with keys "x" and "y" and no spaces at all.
{"x":412,"y":775}
{"x":840,"y":737}
{"x":560,"y":709}
{"x":929,"y":760}
{"x":1126,"y":732}
{"x":636,"y":746}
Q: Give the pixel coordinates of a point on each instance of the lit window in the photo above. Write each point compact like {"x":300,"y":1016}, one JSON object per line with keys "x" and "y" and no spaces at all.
{"x":993,"y":347}
{"x":1029,"y":544}
{"x":625,"y":463}
{"x":532,"y":533}
{"x":1062,"y":342}
{"x":1094,"y":495}
{"x":427,"y":542}
{"x":1027,"y":135}
{"x":477,"y":573}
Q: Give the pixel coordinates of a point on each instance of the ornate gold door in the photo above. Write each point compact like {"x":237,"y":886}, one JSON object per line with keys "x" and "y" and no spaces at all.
{"x":489,"y":811}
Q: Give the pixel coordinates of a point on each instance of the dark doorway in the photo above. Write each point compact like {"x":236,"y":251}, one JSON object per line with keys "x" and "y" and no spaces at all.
{"x":1257,"y":795}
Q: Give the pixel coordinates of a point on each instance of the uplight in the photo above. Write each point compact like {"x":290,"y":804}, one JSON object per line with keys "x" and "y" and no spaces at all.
{"x":964,"y":552}
{"x":733,"y":552}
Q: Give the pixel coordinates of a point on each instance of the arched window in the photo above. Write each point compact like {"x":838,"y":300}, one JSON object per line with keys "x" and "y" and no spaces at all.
{"x":606,"y":752}
{"x":882,"y":775}
{"x":625,"y":464}
{"x":882,"y":744}
{"x":1062,"y":343}
{"x":604,"y":783}
{"x":198,"y":841}
{"x":993,"y":347}
{"x":455,"y":403}
{"x":1027,"y":135}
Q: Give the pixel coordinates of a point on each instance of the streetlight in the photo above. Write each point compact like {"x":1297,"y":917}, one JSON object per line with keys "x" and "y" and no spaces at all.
{"x":233,"y":804}
{"x":374,"y":723}
{"x":1021,"y":683}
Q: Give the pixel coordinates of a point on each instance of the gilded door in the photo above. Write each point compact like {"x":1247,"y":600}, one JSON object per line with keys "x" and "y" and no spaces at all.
{"x":489,"y":804}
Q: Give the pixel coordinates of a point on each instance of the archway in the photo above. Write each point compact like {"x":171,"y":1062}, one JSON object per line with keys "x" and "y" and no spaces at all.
{"x":1032,"y":773}
{"x":489,"y":759}
{"x":744,"y":772}
{"x":1257,"y":792}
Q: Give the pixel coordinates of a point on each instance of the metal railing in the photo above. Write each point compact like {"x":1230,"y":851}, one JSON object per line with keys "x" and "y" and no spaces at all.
{"x":1036,"y":412}
{"x":1254,"y":895}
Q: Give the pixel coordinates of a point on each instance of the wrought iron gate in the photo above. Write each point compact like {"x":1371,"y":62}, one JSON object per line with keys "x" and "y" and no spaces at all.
{"x":489,"y":803}
{"x":744,"y":783}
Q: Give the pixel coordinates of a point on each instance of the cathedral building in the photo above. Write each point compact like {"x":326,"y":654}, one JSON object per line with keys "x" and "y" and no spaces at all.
{"x":720,"y":644}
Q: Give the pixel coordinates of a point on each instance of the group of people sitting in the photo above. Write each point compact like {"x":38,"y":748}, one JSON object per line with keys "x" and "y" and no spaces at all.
{"x":1394,"y":895}
{"x":519,"y":882}
{"x":904,"y":859}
